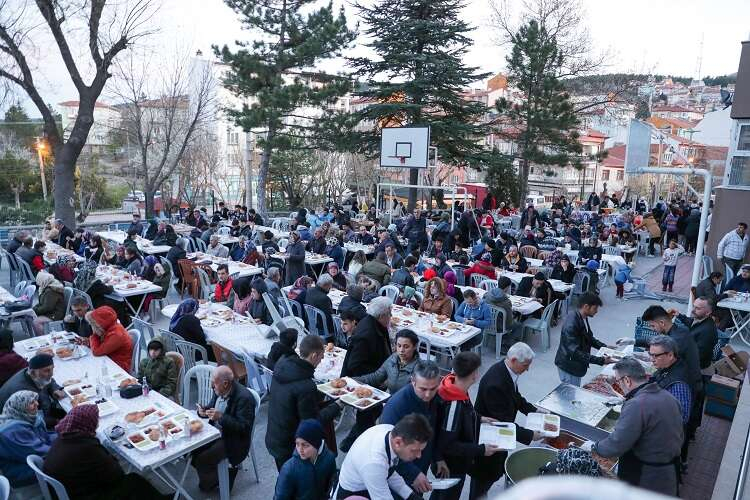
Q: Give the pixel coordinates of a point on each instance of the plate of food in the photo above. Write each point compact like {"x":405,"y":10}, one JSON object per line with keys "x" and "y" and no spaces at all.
{"x":147,"y":416}
{"x":211,"y":322}
{"x":547,"y":424}
{"x":500,"y":434}
{"x":106,"y":406}
{"x":86,"y":389}
{"x":69,"y":352}
{"x":146,"y":439}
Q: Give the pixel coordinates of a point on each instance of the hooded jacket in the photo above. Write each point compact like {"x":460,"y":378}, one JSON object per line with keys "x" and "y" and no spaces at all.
{"x":457,"y":440}
{"x":440,"y":305}
{"x":115,"y":342}
{"x":498,"y":298}
{"x":294,"y":398}
{"x":303,"y":480}
{"x":160,"y":372}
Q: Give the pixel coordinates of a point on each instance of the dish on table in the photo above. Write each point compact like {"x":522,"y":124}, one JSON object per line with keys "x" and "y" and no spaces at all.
{"x":147,"y":416}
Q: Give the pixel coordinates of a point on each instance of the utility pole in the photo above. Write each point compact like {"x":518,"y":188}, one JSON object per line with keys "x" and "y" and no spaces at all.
{"x":249,"y":148}
{"x":39,"y":148}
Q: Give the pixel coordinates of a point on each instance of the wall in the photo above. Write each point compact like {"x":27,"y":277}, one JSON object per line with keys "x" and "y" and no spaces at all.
{"x":730,"y":207}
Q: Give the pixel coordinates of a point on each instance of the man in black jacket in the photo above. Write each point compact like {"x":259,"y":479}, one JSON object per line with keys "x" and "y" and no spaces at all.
{"x":352,"y":302}
{"x":416,"y":231}
{"x":317,"y":296}
{"x":76,"y":321}
{"x":403,"y":277}
{"x":64,"y":233}
{"x":576,"y":341}
{"x":294,"y":397}
{"x":368,"y":348}
{"x":38,"y":378}
{"x":498,"y":398}
{"x":232,"y":410}
{"x":458,"y":437}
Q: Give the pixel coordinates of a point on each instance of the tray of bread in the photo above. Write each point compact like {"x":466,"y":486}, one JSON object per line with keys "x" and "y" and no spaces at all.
{"x":351,"y":392}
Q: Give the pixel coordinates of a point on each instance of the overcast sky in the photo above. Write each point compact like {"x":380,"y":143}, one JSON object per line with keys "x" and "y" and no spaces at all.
{"x":660,"y":36}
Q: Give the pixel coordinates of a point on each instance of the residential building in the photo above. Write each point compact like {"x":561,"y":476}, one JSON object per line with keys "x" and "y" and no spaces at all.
{"x":673,"y":111}
{"x":106,"y":120}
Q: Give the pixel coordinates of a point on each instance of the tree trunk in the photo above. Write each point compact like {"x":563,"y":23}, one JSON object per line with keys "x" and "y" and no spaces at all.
{"x":523,"y":182}
{"x":413,"y":179}
{"x":64,"y":187}
{"x":265,"y":161}
{"x":17,"y":194}
{"x":148,"y":195}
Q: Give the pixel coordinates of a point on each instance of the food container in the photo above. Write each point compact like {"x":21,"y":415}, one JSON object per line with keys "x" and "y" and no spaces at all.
{"x":526,"y":462}
{"x":106,"y":406}
{"x":348,"y":394}
{"x":500,"y":434}
{"x":151,"y":414}
{"x":547,"y":424}
{"x":88,"y":390}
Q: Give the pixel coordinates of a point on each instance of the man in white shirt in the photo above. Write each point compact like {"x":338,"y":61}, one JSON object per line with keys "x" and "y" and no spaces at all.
{"x":217,"y":249}
{"x":733,"y":247}
{"x":369,"y":469}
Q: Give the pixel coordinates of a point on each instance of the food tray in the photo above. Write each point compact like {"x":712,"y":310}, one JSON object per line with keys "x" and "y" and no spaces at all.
{"x":85,"y":388}
{"x":618,"y":355}
{"x":63,"y":337}
{"x":444,"y":484}
{"x":106,"y":406}
{"x":500,"y":434}
{"x":211,"y":322}
{"x":346,"y":394}
{"x":154,"y":412}
{"x":141,"y":441}
{"x":576,"y":404}
{"x":77,"y":352}
{"x":542,"y":423}
{"x":34,"y":344}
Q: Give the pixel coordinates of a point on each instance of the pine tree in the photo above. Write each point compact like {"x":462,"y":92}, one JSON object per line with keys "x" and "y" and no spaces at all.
{"x":501,"y":177}
{"x":543,"y":122}
{"x":272,"y":74}
{"x":417,"y":78}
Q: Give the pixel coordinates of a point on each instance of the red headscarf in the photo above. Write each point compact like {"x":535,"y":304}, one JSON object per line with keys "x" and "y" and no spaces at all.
{"x":83,"y":419}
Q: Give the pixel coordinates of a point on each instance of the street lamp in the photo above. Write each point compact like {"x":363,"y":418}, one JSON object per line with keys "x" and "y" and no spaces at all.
{"x":40,"y":147}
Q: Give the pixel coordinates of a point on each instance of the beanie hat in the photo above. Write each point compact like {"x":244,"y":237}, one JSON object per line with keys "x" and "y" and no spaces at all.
{"x":40,"y":361}
{"x":592,"y":265}
{"x":311,"y":431}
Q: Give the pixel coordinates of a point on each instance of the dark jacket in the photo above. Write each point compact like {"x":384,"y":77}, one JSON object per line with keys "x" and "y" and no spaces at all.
{"x":402,"y":277}
{"x":706,"y":288}
{"x":565,"y":276}
{"x":63,"y":235}
{"x":377,"y":270}
{"x":189,"y":328}
{"x":705,"y":335}
{"x":404,"y":402}
{"x":369,"y":347}
{"x":588,"y":253}
{"x":295,"y":264}
{"x":278,"y":351}
{"x":86,"y":469}
{"x":688,"y":351}
{"x":529,"y":218}
{"x":303,"y":480}
{"x":458,"y":436}
{"x":416,"y":232}
{"x":168,"y":238}
{"x":79,"y":326}
{"x":316,"y":297}
{"x":576,"y":341}
{"x":317,"y":245}
{"x":10,"y":364}
{"x":21,"y":381}
{"x":544,"y":292}
{"x":174,"y":255}
{"x":294,"y":398}
{"x":397,"y":262}
{"x":499,"y":398}
{"x":357,"y":308}
{"x":236,"y":424}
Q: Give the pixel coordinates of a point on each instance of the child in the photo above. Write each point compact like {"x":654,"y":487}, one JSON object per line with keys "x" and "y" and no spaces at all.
{"x":310,"y":472}
{"x":670,"y":257}
{"x":159,"y":370}
{"x":622,"y":276}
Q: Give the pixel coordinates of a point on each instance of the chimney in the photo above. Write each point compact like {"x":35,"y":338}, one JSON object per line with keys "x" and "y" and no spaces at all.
{"x":199,"y":53}
{"x":741,"y":102}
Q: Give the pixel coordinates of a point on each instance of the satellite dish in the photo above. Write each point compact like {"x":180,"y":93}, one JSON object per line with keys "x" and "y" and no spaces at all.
{"x":726,"y":98}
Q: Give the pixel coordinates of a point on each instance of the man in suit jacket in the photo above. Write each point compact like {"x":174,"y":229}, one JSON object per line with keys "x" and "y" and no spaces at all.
{"x":498,"y":398}
{"x":232,"y":410}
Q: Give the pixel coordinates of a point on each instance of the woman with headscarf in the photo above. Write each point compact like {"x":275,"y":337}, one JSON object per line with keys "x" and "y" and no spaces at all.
{"x":63,"y":268}
{"x":295,"y":262}
{"x":339,"y":280}
{"x":435,"y":300}
{"x":10,"y":362}
{"x":159,"y":276}
{"x":299,"y":290}
{"x":133,"y":261}
{"x":406,"y":298}
{"x":95,"y":248}
{"x":252,"y":256}
{"x":87,"y":470}
{"x":334,"y":250}
{"x":22,"y":433}
{"x":186,"y":325}
{"x":257,"y":306}
{"x":243,"y":295}
{"x":51,"y":306}
{"x":451,"y":290}
{"x":441,"y":265}
{"x":153,"y":228}
{"x":358,"y":260}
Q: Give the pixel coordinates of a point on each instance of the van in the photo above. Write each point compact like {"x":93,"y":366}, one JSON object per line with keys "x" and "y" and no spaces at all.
{"x":539,"y":201}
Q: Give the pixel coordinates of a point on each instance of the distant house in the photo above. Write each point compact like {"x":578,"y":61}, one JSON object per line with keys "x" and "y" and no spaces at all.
{"x":672,"y":111}
{"x":106,"y":119}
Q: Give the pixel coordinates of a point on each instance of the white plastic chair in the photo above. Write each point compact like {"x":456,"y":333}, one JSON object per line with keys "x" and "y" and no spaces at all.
{"x":488,"y":285}
{"x":4,"y":488}
{"x":135,"y":342}
{"x":18,"y":290}
{"x":542,"y":325}
{"x":390,"y":291}
{"x":202,"y":375}
{"x":189,"y":352}
{"x":205,"y":283}
{"x":316,"y":318}
{"x":477,"y":279}
{"x":36,"y":463}
{"x":251,"y":454}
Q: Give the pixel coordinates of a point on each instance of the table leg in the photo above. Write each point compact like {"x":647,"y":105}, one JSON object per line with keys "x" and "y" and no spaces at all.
{"x":170,"y":480}
{"x":741,"y":323}
{"x":223,"y":469}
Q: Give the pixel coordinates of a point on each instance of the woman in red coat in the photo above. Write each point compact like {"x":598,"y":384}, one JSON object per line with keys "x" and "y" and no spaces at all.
{"x":483,"y":266}
{"x":109,"y":337}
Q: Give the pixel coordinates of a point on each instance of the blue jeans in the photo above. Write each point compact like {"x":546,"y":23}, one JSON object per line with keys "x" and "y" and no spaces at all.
{"x":568,"y":378}
{"x":668,"y":276}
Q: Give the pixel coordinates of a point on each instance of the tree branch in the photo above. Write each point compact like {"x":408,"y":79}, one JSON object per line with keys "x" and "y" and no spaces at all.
{"x":47,"y":9}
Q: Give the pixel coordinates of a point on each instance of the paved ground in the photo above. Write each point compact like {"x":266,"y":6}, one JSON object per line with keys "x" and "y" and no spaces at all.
{"x":616,"y":319}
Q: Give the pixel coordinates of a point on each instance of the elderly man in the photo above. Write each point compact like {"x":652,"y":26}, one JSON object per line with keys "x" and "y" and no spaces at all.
{"x":363,"y":237}
{"x":317,"y":296}
{"x":216,"y":249}
{"x":76,"y":322}
{"x":498,"y":399}
{"x":64,"y":233}
{"x":38,"y":378}
{"x":377,"y":269}
{"x":137,"y":224}
{"x":733,"y":247}
{"x":273,"y":280}
{"x":231,"y":410}
{"x":318,"y":242}
{"x":513,"y":261}
{"x":417,"y":397}
{"x":17,"y":240}
{"x":352,"y":302}
{"x":368,"y":348}
{"x":384,"y":239}
{"x":648,"y":435}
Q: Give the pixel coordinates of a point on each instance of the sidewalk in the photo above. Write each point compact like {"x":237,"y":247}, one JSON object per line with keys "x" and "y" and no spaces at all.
{"x":682,"y":279}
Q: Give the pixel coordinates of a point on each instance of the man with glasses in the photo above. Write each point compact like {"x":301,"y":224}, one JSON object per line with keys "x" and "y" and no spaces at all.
{"x":648,"y":435}
{"x":671,"y":372}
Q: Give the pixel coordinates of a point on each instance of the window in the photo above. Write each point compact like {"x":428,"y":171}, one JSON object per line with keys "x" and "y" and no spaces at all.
{"x":233,"y":137}
{"x":739,"y":174}
{"x":620,"y":175}
{"x":743,"y":142}
{"x":605,"y":175}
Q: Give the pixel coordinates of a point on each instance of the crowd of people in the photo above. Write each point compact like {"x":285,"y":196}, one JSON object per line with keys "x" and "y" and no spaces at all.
{"x":429,"y":421}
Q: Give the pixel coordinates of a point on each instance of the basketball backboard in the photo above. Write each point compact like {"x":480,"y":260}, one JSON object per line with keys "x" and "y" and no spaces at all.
{"x":404,"y":147}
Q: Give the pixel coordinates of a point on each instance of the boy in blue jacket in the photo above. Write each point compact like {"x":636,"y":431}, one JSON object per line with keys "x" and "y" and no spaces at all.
{"x":309,"y":473}
{"x":473,"y":311}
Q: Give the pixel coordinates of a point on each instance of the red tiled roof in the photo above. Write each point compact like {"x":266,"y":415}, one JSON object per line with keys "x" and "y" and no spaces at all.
{"x":674,"y":109}
{"x":74,"y":104}
{"x":715,"y":153}
{"x":595,"y":133}
{"x":615,"y":157}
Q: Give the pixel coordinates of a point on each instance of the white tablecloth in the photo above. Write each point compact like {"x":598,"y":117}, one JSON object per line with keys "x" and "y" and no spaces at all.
{"x":89,"y":368}
{"x":557,"y":285}
{"x":310,"y":258}
{"x":422,"y":324}
{"x":521,"y":305}
{"x":115,"y":278}
{"x":234,"y":267}
{"x":355,"y":247}
{"x":53,"y":250}
{"x":144,"y":245}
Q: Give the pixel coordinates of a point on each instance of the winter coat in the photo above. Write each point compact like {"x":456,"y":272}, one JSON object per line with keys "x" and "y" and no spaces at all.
{"x":51,"y":304}
{"x":295,"y":263}
{"x":189,"y":328}
{"x":369,"y":347}
{"x":294,"y":398}
{"x":161,"y":372}
{"x":692,"y":224}
{"x":236,"y":424}
{"x":21,"y":381}
{"x":650,"y":427}
{"x":10,"y":364}
{"x":377,"y":270}
{"x":402,"y":277}
{"x":576,"y":341}
{"x":458,"y":437}
{"x":18,"y":440}
{"x":483,"y":268}
{"x":481,"y":314}
{"x":115,"y":342}
{"x":392,"y":374}
{"x":278,"y":351}
{"x":705,"y":335}
{"x":499,"y":299}
{"x":303,"y":480}
{"x":356,"y":308}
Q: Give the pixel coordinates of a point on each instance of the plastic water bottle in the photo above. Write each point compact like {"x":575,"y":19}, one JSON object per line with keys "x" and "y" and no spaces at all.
{"x":146,"y":388}
{"x":105,"y":370}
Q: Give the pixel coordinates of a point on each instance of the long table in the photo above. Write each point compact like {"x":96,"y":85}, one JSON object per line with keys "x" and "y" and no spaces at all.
{"x":557,"y":285}
{"x":739,"y":308}
{"x":53,"y":250}
{"x":122,"y":283}
{"x":91,"y":368}
{"x":238,"y":268}
{"x":144,"y":245}
{"x":521,"y":305}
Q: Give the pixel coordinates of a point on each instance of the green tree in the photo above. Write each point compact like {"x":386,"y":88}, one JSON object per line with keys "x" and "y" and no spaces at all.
{"x":19,"y":124}
{"x":294,"y":171}
{"x":543,"y":121}
{"x":417,"y":77}
{"x":501,"y":177}
{"x":641,"y":109}
{"x":273,"y":73}
{"x":17,"y":175}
